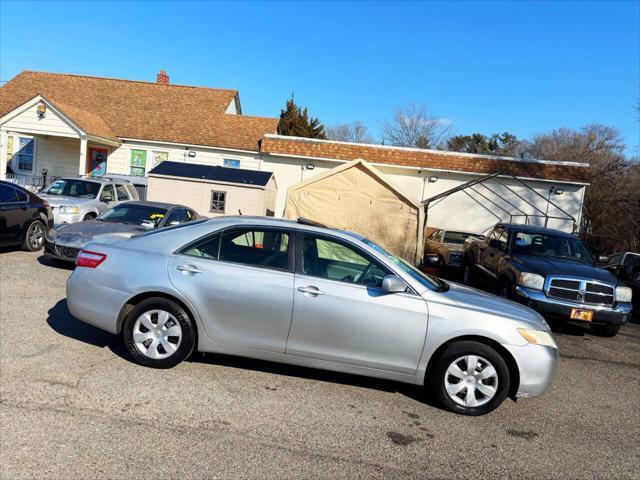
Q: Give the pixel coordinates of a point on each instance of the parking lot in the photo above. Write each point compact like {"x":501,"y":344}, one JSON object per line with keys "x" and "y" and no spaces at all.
{"x":73,"y":406}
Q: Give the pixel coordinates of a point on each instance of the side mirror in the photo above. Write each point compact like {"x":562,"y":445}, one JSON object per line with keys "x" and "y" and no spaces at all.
{"x":393,"y":284}
{"x":175,"y":222}
{"x":107,"y":198}
{"x":602,"y":259}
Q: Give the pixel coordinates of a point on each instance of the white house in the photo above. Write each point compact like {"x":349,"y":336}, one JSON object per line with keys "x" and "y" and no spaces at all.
{"x":79,"y":125}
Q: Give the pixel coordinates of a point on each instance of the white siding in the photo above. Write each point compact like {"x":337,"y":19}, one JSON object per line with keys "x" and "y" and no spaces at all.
{"x":29,"y":122}
{"x":119,"y":159}
{"x":458,"y":211}
{"x":197,"y":195}
{"x":59,"y":156}
{"x":232,"y":109}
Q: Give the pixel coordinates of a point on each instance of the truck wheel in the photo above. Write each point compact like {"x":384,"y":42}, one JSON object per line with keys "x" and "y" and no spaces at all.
{"x":605,"y":330}
{"x":467,"y":272}
{"x":470,"y":378}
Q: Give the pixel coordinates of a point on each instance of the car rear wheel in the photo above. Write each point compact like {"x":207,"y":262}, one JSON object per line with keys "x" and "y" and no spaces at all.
{"x":470,"y":378}
{"x":158,"y":333}
{"x":605,"y":330}
{"x":34,"y":239}
{"x":89,"y":216}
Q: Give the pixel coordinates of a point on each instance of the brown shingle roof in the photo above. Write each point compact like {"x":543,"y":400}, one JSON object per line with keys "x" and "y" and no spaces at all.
{"x":427,"y":159}
{"x":89,"y":122}
{"x":143,"y":110}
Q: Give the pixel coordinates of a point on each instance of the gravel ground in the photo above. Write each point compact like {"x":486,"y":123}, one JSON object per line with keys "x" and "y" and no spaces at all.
{"x":73,"y":406}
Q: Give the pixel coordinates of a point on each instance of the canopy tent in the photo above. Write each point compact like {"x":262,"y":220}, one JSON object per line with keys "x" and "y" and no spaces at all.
{"x":355,"y":196}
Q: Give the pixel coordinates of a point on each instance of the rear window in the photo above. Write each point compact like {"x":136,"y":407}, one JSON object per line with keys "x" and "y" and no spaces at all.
{"x":7,"y":194}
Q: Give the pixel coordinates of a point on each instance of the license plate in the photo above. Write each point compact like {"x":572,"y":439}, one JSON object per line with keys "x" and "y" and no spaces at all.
{"x":584,"y":315}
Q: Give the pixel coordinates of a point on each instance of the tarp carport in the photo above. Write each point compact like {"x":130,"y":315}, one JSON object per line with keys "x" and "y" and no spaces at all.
{"x":357,"y":197}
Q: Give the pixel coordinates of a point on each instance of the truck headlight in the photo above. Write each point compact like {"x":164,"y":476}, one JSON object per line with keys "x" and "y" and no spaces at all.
{"x":69,"y":209}
{"x":537,"y":337}
{"x":623,"y":294}
{"x":531,"y":280}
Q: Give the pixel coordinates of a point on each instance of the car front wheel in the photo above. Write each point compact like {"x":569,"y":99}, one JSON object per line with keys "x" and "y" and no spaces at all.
{"x":158,"y":333}
{"x":470,"y":378}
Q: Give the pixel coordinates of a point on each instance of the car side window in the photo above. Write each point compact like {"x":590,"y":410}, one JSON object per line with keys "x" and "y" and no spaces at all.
{"x":255,"y":247}
{"x":326,"y":258}
{"x":208,"y":248}
{"x":7,"y":194}
{"x":176,"y":217}
{"x":107,"y":194}
{"x":189,"y":215}
{"x":123,"y":195}
{"x":22,"y":196}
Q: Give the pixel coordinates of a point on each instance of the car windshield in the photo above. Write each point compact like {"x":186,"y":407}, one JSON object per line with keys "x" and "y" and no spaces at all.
{"x":551,"y":245}
{"x":456,"y":237}
{"x":73,"y":188}
{"x":143,"y":215}
{"x":429,"y":281}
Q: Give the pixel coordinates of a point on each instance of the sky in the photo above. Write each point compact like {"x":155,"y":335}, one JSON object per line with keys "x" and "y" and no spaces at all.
{"x":522,"y":67}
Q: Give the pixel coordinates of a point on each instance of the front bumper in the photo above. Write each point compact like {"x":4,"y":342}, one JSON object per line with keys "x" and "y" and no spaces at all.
{"x":536,"y":299}
{"x":62,"y":218}
{"x":537,"y":367}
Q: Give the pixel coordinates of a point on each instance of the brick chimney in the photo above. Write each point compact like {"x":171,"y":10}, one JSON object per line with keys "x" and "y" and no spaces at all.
{"x":162,"y":77}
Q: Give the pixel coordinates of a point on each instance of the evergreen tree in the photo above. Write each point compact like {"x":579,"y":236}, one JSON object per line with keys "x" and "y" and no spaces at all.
{"x":295,"y":122}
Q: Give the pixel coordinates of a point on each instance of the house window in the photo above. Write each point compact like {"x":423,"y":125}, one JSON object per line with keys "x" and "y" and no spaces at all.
{"x":157,"y":157}
{"x":231,"y":163}
{"x":24,"y":154}
{"x":218,"y":201}
{"x":138,"y":162}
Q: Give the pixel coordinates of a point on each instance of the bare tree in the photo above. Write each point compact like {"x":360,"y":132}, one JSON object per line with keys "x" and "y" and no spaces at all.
{"x":611,"y":210}
{"x":349,"y":132}
{"x":414,"y":126}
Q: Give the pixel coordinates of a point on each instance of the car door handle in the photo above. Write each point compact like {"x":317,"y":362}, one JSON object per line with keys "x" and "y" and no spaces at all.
{"x":188,"y":269}
{"x":312,"y":290}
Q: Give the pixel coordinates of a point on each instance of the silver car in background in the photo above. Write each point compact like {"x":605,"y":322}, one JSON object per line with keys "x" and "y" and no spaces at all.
{"x":77,"y":199}
{"x":301,"y":294}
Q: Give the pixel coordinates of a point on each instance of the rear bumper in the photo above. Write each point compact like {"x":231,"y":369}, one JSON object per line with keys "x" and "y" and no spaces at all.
{"x":537,"y":366}
{"x":536,"y":299}
{"x":92,"y":303}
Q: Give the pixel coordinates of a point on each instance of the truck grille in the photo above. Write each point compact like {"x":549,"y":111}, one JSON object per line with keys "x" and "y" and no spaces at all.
{"x":580,"y":291}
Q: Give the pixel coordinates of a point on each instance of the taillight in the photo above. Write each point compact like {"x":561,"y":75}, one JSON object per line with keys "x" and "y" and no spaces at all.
{"x":89,"y":259}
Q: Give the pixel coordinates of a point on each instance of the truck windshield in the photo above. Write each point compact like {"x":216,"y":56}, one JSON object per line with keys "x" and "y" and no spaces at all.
{"x":455,"y":237}
{"x":73,"y":188}
{"x":432,"y":283}
{"x":551,"y":245}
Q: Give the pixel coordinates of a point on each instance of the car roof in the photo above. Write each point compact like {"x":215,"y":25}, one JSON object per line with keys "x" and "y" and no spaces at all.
{"x":148,"y":203}
{"x":102,"y":180}
{"x":534,"y":229}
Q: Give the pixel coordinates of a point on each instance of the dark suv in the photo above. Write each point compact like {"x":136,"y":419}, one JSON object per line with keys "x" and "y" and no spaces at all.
{"x":550,"y":271}
{"x":24,"y":217}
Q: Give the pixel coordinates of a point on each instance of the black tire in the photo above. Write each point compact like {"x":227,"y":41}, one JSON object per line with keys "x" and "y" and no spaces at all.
{"x":187,"y":326}
{"x":459,"y":349}
{"x":467,"y":272}
{"x":34,"y":238}
{"x":605,"y":330}
{"x":89,"y":216}
{"x":506,"y":289}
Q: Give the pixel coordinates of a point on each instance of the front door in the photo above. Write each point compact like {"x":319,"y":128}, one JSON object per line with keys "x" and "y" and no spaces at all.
{"x":97,"y":164}
{"x":341,"y":314}
{"x":241,"y":285}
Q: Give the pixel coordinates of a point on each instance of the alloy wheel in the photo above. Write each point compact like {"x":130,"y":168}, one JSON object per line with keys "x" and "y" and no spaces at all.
{"x":471,"y":381}
{"x":35,"y":236}
{"x":157,"y":334}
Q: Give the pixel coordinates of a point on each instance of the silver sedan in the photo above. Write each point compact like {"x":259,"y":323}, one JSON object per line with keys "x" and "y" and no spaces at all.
{"x":301,"y":294}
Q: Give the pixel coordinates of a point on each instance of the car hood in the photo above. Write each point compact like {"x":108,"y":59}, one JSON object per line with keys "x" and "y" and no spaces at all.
{"x":472,"y":299}
{"x":77,"y":235}
{"x":57,"y":200}
{"x":555,"y":266}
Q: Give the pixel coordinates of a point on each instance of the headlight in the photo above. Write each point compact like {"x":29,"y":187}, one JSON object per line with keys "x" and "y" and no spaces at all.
{"x":69,"y":209}
{"x":531,"y":280}
{"x":537,"y":337}
{"x":623,"y":294}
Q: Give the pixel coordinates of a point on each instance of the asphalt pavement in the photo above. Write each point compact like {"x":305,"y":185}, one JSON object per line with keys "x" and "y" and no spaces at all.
{"x":72,"y":405}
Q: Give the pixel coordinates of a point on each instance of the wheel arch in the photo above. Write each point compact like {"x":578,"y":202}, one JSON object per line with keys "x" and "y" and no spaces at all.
{"x":512,"y":365}
{"x":135,"y":300}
